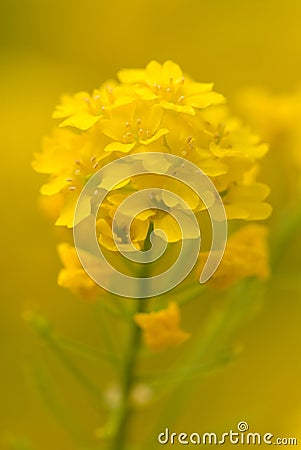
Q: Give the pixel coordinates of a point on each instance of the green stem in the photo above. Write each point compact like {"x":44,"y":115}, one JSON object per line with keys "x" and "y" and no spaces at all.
{"x":128,"y":374}
{"x":44,"y":328}
{"x":128,"y":377}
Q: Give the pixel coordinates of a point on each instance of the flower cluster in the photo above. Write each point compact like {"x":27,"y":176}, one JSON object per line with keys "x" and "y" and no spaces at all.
{"x":156,"y":109}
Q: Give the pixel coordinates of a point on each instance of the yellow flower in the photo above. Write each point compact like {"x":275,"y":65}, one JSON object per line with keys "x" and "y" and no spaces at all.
{"x":161,"y":329}
{"x":70,"y":159}
{"x":129,"y":126}
{"x":156,"y":109}
{"x":73,"y":276}
{"x":83,"y":110}
{"x":80,"y":111}
{"x":58,"y":159}
{"x":246,"y":255}
{"x":167,"y":84}
{"x":108,"y":236}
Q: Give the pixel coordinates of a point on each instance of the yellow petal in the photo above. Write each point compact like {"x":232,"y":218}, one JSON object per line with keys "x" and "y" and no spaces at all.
{"x":169,"y":225}
{"x":251,"y":211}
{"x":252,"y":151}
{"x":145,"y":93}
{"x":105,"y":236}
{"x":80,"y":121}
{"x":171,"y":72}
{"x":68,"y":256}
{"x":179,"y":108}
{"x":72,"y":105}
{"x":139,"y":230}
{"x":119,"y":147}
{"x":155,"y":137}
{"x":153,"y":118}
{"x":153,"y":72}
{"x":67,"y":212}
{"x":204,"y":100}
{"x":55,"y":185}
{"x":247,"y":193}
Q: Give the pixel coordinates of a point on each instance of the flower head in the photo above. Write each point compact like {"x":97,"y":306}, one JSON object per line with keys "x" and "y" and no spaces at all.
{"x":167,"y":84}
{"x":157,"y":109}
{"x":141,"y":114}
{"x":73,"y":276}
{"x":161,"y":329}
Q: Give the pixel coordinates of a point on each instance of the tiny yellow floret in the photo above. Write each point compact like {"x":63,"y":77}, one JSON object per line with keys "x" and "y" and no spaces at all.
{"x":73,"y":276}
{"x":161,"y":329}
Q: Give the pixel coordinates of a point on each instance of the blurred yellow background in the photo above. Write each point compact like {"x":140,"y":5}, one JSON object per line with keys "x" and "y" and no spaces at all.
{"x":51,"y":47}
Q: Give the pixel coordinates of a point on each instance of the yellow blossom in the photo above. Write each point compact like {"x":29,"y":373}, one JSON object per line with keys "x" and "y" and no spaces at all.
{"x":156,"y":109}
{"x":161,"y":329}
{"x":73,"y":276}
{"x":246,"y":255}
{"x":83,"y":110}
{"x":108,"y":236}
{"x":129,"y":126}
{"x":167,"y":84}
{"x":80,"y":111}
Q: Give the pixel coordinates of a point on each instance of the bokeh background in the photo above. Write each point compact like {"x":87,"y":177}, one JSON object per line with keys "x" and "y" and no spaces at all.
{"x":50,"y":47}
